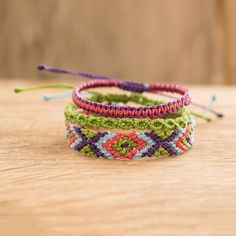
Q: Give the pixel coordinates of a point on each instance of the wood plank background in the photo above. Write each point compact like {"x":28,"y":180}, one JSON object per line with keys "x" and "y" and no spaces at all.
{"x":187,"y":41}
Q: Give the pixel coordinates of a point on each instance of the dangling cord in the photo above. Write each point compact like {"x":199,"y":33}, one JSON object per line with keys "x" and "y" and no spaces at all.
{"x":76,"y":73}
{"x":66,"y":86}
{"x":48,"y":97}
{"x":208,"y":108}
{"x":198,"y":115}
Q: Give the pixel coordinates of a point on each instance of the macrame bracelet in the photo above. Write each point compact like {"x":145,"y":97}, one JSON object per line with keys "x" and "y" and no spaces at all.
{"x":128,"y":111}
{"x":164,"y":136}
{"x":172,"y":121}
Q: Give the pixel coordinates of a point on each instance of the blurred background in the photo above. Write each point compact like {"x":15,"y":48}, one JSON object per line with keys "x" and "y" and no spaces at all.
{"x":183,"y":41}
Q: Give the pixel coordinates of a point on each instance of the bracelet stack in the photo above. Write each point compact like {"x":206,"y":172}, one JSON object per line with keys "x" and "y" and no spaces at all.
{"x":107,"y":126}
{"x":93,"y":129}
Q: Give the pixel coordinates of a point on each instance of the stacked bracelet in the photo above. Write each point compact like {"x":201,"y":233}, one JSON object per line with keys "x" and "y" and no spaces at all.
{"x":169,"y":135}
{"x":135,"y":112}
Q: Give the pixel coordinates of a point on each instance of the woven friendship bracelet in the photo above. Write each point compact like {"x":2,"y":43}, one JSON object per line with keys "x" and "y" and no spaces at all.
{"x":160,"y":136}
{"x":128,"y":111}
{"x":172,"y":121}
{"x":135,"y":144}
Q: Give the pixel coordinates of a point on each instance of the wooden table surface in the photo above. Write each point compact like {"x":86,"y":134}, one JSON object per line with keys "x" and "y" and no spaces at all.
{"x":48,"y":189}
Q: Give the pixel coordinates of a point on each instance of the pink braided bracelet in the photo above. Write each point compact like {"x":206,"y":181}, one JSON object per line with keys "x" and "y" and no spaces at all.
{"x":128,"y":111}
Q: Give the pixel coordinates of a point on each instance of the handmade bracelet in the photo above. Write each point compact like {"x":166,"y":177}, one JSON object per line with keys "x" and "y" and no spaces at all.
{"x":119,"y":111}
{"x":135,"y":144}
{"x":170,"y":121}
{"x":128,"y":111}
{"x":170,"y":136}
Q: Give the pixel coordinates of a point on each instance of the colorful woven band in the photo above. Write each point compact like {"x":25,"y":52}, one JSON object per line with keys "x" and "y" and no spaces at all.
{"x":128,"y":111}
{"x":172,"y":121}
{"x":135,"y":144}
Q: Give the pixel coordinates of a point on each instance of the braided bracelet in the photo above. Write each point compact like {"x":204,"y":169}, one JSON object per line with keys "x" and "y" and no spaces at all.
{"x":168,"y":136}
{"x":119,"y":111}
{"x":128,"y":111}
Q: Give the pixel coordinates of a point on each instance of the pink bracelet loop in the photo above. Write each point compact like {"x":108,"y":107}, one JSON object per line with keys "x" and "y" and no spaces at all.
{"x":128,"y":111}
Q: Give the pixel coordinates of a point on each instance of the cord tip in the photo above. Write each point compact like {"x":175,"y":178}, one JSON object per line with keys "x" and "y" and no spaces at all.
{"x":46,"y":97}
{"x":17,"y":90}
{"x":213,"y":98}
{"x":41,"y":67}
{"x":208,"y":119}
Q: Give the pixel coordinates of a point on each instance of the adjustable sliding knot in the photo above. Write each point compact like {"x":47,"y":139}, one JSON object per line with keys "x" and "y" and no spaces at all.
{"x":134,"y":86}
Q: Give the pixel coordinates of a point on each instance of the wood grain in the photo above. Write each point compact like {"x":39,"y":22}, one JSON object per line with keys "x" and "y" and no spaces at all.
{"x":48,"y":189}
{"x":154,"y":40}
{"x":229,"y":37}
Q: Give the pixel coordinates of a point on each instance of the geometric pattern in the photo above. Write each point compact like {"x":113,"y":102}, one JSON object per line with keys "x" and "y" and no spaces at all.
{"x":136,"y":144}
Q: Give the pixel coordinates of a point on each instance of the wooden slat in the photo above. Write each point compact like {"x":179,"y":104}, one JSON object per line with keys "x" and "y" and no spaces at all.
{"x":228,"y":8}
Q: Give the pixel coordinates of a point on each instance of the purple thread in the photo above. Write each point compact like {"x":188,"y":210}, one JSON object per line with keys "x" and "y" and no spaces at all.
{"x":134,"y":86}
{"x":159,"y":142}
{"x":76,"y":73}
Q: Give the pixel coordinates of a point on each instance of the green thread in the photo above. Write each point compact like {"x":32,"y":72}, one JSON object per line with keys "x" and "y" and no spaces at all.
{"x":88,"y":133}
{"x":124,"y":150}
{"x":67,"y":86}
{"x":124,"y":98}
{"x":87,"y":150}
{"x":206,"y":118}
{"x":160,"y":152}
